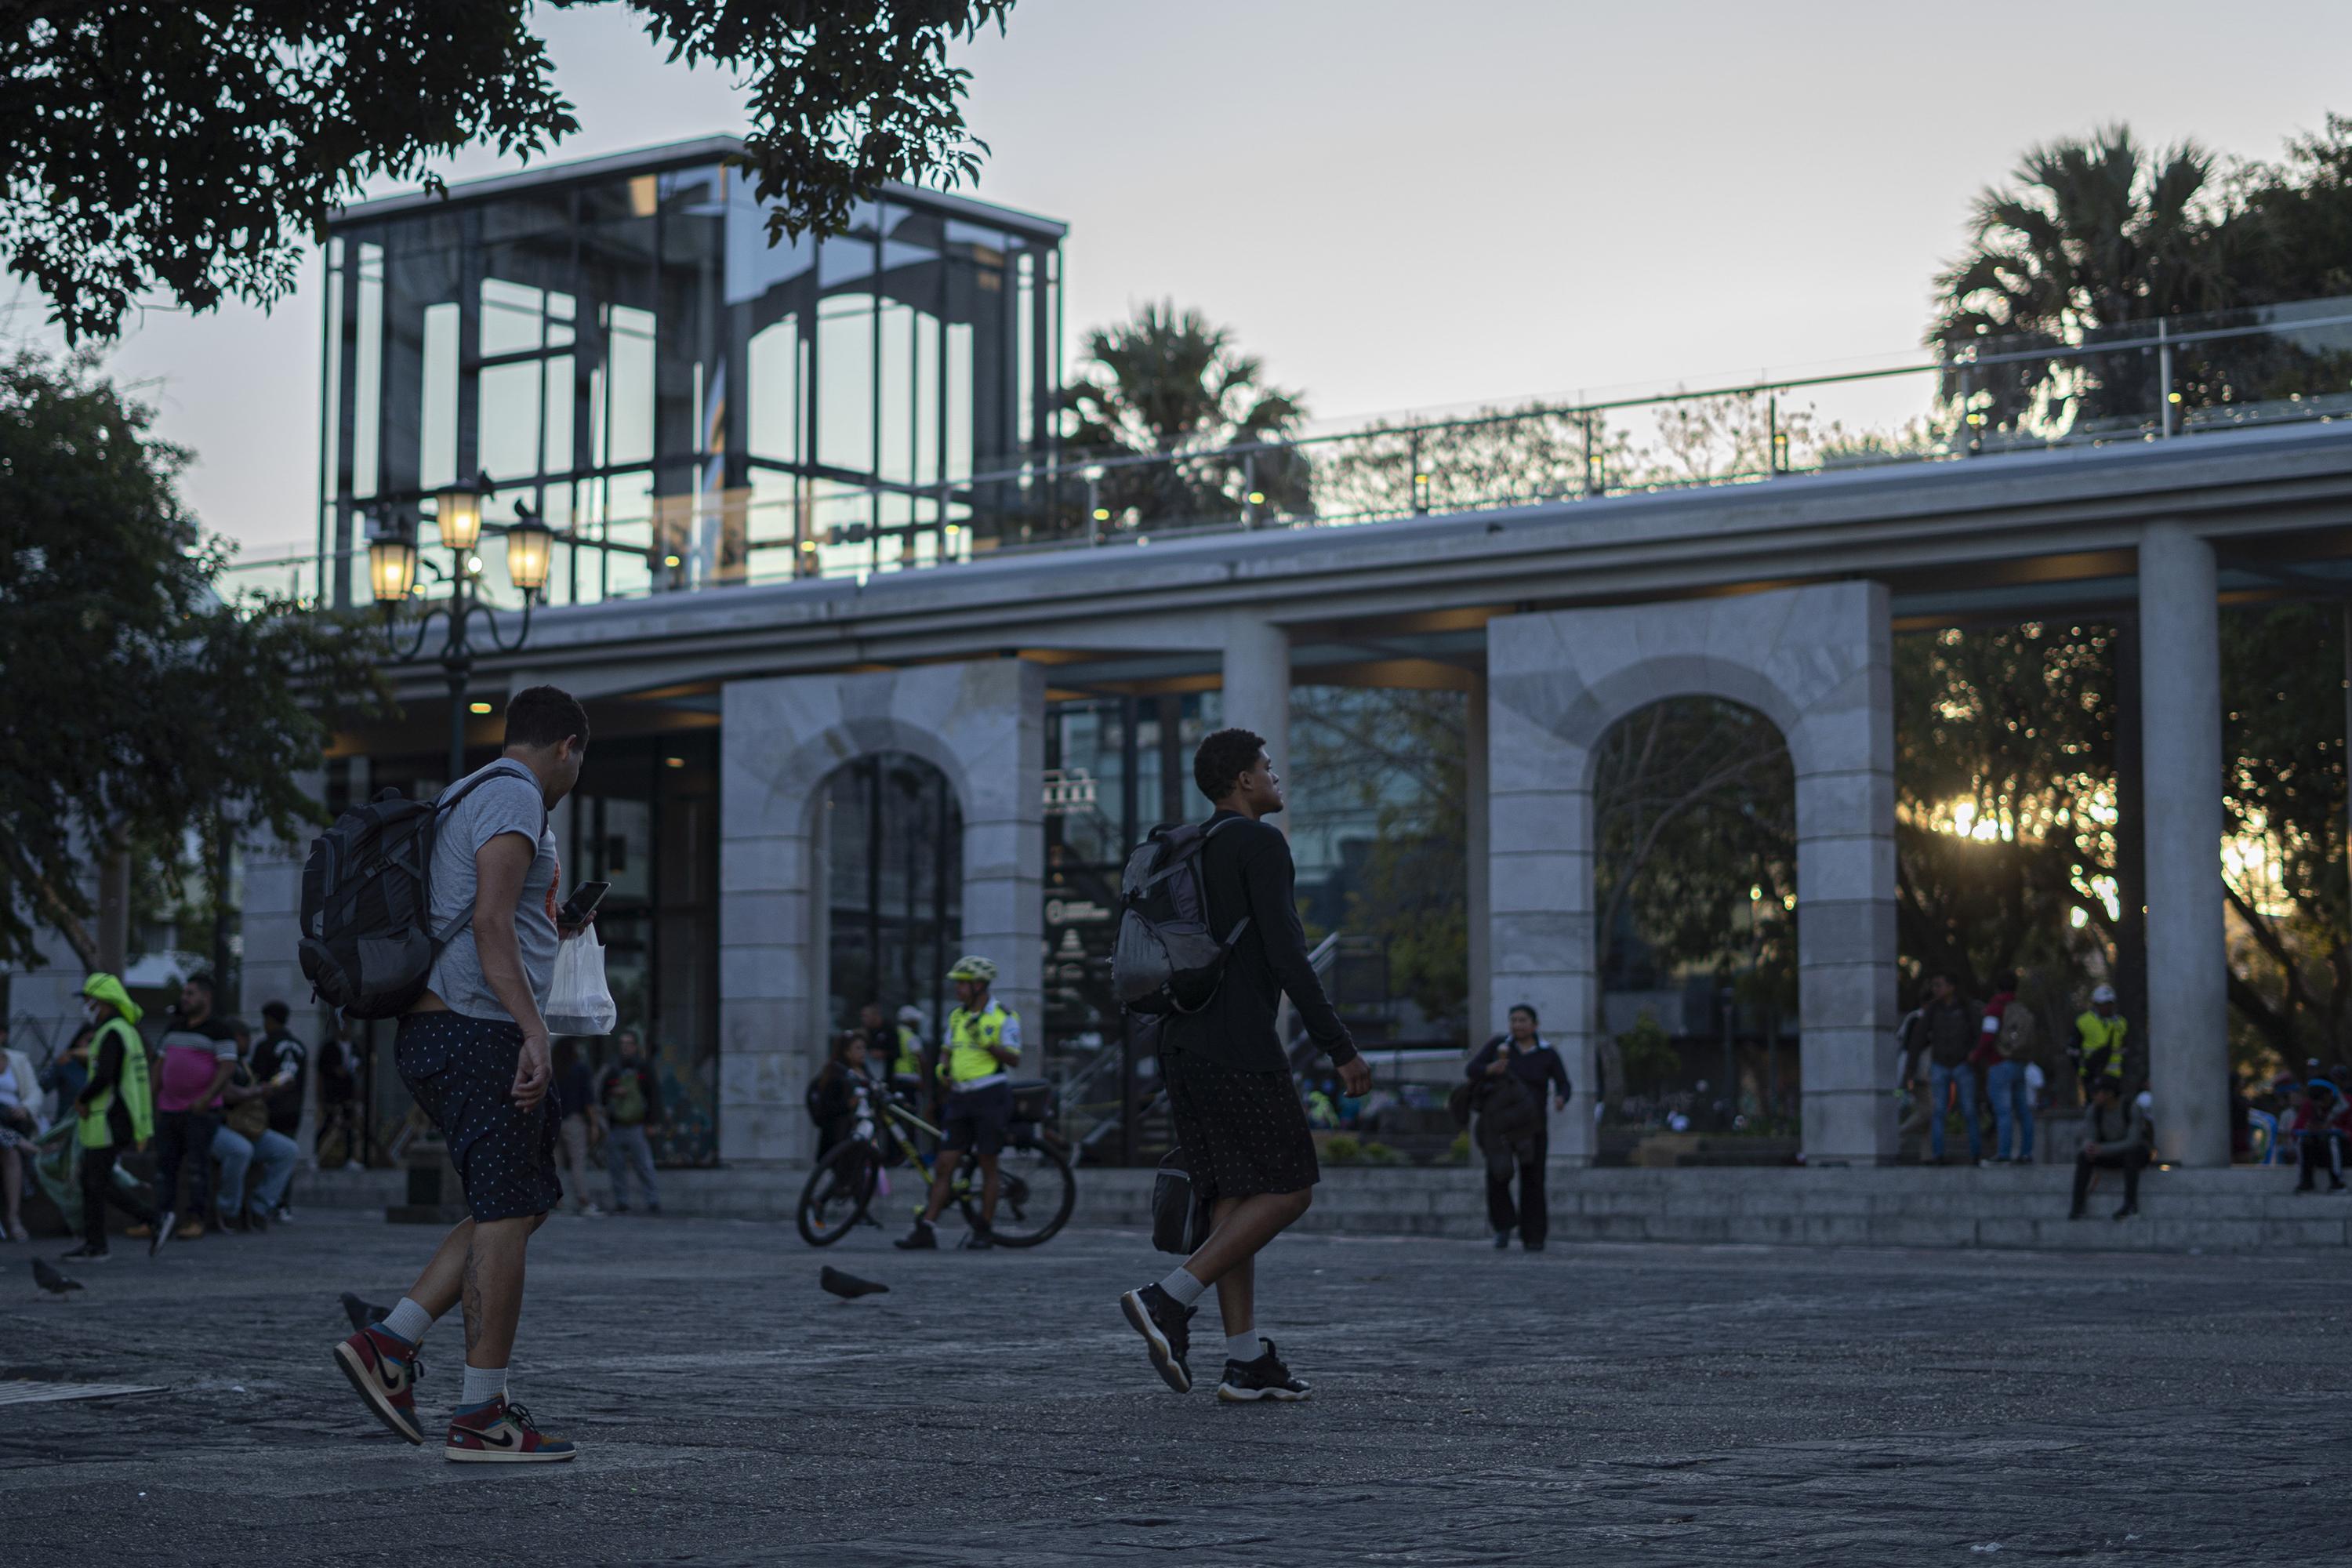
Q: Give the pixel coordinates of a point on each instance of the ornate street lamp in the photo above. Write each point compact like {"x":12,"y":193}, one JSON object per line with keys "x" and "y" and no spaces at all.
{"x":391,"y":574}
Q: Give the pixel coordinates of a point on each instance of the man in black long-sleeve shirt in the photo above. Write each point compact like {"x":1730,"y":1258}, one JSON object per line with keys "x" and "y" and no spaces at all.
{"x":1236,"y":1111}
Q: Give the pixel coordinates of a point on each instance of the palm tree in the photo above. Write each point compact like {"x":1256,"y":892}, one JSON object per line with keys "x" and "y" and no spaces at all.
{"x":1167,"y":384}
{"x":2090,"y":235}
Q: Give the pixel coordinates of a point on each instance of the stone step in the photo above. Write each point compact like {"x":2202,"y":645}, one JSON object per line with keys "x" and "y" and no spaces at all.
{"x":2234,"y":1210}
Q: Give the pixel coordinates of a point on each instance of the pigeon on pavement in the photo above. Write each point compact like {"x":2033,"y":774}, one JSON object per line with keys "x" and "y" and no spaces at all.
{"x":834,"y":1282}
{"x":362,"y":1313}
{"x":56,"y":1282}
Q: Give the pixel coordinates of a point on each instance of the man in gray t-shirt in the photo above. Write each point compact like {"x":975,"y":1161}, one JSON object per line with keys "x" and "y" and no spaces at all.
{"x":474,"y":1052}
{"x":506,"y":800}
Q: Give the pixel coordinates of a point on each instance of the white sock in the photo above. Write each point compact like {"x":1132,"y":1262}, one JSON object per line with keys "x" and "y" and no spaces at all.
{"x":408,"y":1321}
{"x":1244,"y":1346}
{"x":483,"y":1383}
{"x":1182,"y":1288}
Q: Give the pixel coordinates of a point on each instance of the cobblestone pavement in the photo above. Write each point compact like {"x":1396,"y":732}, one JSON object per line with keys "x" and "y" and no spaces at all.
{"x":1636,"y":1404}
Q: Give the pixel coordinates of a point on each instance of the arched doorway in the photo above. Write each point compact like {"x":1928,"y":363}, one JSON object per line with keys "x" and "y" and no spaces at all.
{"x":1695,"y":911}
{"x":1817,"y":663}
{"x":892,"y":832}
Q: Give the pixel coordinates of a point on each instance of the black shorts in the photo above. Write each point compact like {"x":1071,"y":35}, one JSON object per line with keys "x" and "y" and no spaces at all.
{"x":975,"y":1119}
{"x":1243,"y":1133}
{"x":461,"y":1071}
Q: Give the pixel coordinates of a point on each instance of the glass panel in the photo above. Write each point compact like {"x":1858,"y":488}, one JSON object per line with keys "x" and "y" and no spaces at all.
{"x":436,"y":457}
{"x":775,"y":381}
{"x":510,"y":317}
{"x":510,"y":425}
{"x":844,"y":362}
{"x":629,"y":385}
{"x":331,"y":424}
{"x":555,"y":409}
{"x":368,"y":392}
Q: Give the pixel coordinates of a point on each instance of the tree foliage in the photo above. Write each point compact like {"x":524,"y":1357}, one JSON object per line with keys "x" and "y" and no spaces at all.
{"x":2283,"y":736}
{"x":1169,"y":383}
{"x":195,"y":148}
{"x":137,"y":703}
{"x":1695,"y":832}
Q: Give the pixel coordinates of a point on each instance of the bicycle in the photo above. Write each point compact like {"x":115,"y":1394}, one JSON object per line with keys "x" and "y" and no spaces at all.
{"x":1035,"y":1190}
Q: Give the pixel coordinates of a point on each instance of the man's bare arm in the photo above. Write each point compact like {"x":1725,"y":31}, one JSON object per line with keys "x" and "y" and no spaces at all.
{"x":500,"y":867}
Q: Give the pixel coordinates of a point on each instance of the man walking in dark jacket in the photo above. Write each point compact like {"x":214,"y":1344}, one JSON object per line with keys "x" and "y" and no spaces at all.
{"x":1519,"y":1059}
{"x":1236,"y":1112}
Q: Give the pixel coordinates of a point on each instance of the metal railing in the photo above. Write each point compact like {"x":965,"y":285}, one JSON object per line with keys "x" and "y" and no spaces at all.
{"x":2142,"y":381}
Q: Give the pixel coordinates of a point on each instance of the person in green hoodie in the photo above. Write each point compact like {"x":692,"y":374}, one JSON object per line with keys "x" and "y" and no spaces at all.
{"x":115,"y":1111}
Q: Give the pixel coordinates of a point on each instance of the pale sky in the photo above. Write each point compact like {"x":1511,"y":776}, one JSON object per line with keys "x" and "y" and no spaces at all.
{"x":1413,"y":207}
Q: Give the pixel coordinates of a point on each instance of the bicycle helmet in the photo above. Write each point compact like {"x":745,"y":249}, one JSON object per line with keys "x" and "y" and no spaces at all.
{"x":972,"y":966}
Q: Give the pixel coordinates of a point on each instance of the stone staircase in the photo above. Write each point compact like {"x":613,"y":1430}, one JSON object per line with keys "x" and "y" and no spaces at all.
{"x":2242,"y":1210}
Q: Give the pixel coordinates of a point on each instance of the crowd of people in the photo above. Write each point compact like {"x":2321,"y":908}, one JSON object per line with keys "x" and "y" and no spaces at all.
{"x":217,"y":1102}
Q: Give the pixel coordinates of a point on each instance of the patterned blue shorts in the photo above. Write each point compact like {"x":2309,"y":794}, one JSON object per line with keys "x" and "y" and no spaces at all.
{"x":461,"y":1071}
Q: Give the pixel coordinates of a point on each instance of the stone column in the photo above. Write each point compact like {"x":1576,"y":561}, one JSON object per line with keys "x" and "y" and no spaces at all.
{"x":998,"y":729}
{"x":1843,"y":749}
{"x":1257,"y":693}
{"x":770,"y":1004}
{"x":2187,"y":967}
{"x":271,"y":927}
{"x":1479,"y":1006}
{"x":1540,"y":862}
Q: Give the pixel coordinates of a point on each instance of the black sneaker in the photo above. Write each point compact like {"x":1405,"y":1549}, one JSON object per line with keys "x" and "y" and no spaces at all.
{"x":2076,"y":1213}
{"x":978,"y":1241}
{"x":86,"y":1254}
{"x":256,"y":1221}
{"x":1501,"y":1241}
{"x":922,"y":1239}
{"x":1246,"y":1382}
{"x":1167,"y":1329}
{"x":2128,"y":1211}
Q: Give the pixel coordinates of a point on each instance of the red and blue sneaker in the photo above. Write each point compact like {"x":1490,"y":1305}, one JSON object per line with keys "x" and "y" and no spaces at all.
{"x":384,"y":1371}
{"x":503,"y":1434}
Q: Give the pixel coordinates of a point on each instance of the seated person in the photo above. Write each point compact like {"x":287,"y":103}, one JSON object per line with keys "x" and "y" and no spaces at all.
{"x":836,"y":1097}
{"x":2116,"y":1137}
{"x":2318,"y":1128}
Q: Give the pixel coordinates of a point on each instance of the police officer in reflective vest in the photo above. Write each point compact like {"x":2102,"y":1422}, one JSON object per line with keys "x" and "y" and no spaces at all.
{"x":983,"y":1044}
{"x":2100,"y":1051}
{"x":114,"y":1114}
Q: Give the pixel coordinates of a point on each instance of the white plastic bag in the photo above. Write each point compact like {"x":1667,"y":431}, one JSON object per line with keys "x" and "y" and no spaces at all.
{"x":579,"y":1002}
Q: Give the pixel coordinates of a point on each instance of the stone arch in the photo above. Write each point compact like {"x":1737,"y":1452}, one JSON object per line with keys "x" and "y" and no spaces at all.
{"x":904,"y":925}
{"x":979,"y":722}
{"x":1817,"y":661}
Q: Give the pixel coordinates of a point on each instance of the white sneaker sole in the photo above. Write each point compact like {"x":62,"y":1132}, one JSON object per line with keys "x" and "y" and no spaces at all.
{"x":500,"y":1457}
{"x":363,"y":1384}
{"x":1232,"y":1396}
{"x":1163,"y":1355}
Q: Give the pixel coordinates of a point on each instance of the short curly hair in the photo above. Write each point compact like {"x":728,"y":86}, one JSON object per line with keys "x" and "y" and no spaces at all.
{"x":1223,"y":758}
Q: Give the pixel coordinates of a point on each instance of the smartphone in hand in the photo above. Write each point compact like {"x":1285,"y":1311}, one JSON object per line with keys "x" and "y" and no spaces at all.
{"x":582,"y":902}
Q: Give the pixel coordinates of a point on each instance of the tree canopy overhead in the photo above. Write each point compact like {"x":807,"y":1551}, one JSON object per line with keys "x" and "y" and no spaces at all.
{"x":194,"y":149}
{"x":136,"y":703}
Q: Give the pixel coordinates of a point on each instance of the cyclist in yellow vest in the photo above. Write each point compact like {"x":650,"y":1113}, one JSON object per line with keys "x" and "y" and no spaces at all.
{"x":115,"y":1111}
{"x":982,"y":1047}
{"x":2100,"y":1052}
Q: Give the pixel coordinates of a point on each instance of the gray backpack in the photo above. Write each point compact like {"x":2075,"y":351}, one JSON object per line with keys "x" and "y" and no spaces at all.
{"x":1165,"y":958}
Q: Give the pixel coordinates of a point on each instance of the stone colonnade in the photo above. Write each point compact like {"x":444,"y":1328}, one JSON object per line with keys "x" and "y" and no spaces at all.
{"x":1816,"y":660}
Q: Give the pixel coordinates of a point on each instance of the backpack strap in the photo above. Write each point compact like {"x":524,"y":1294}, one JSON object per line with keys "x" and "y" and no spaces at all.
{"x":505,"y":767}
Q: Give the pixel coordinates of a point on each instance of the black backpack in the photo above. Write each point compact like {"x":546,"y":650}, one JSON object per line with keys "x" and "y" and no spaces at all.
{"x":367,"y":902}
{"x":1165,"y":959}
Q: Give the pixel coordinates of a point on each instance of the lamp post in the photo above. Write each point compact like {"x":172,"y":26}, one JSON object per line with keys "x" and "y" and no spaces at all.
{"x":391,"y":575}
